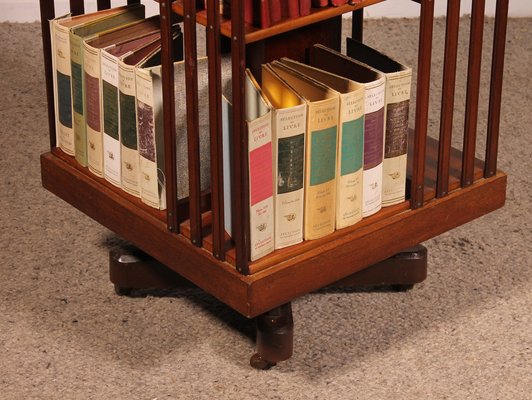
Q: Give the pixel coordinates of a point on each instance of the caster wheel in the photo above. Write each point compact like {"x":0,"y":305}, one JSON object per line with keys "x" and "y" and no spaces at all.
{"x":257,"y":362}
{"x":402,"y":288}
{"x":122,"y":291}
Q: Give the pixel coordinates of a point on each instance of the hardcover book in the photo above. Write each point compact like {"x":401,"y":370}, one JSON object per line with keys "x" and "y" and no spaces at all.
{"x":320,"y":151}
{"x":92,"y":77}
{"x":374,"y":84}
{"x":66,"y":64}
{"x":398,"y":84}
{"x":261,"y":214}
{"x":350,"y":141}
{"x":289,"y":121}
{"x":110,"y":104}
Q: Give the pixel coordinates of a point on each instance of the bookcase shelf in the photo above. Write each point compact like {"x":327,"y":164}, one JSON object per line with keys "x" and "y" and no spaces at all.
{"x":254,"y":34}
{"x":446,"y":187}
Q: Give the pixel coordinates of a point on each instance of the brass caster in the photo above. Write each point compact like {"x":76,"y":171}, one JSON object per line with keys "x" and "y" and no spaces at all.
{"x":257,"y":362}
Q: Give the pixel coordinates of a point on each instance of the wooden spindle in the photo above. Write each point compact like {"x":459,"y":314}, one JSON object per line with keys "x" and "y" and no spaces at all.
{"x":170,"y":158}
{"x":497,"y":69}
{"x":357,"y":27}
{"x":447,"y":102}
{"x":422,"y":102}
{"x":240,"y":180}
{"x":215,"y":124}
{"x":192,"y":107}
{"x":473,"y":91}
{"x":77,"y":7}
{"x":130,"y":2}
{"x":48,"y":13}
{"x":103,"y":4}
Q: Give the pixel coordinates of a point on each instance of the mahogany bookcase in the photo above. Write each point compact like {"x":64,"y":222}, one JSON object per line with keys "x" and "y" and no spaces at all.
{"x":446,"y":187}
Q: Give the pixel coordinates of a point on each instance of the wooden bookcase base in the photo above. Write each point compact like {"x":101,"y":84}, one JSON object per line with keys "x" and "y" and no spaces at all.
{"x":131,"y":268}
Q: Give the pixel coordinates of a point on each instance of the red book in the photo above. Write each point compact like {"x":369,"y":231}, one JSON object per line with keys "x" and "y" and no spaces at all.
{"x":264,"y":20}
{"x":275,"y":11}
{"x":336,"y":3}
{"x":304,"y":7}
{"x":290,"y":8}
{"x":320,"y":3}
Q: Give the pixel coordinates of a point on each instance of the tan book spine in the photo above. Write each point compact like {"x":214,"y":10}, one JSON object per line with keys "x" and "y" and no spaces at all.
{"x":396,"y":139}
{"x":63,"y":76}
{"x":320,"y":171}
{"x":289,"y":126}
{"x":350,"y":158}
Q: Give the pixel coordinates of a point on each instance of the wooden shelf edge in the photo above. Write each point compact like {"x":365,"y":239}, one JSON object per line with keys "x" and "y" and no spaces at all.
{"x":145,"y":231}
{"x":333,"y":261}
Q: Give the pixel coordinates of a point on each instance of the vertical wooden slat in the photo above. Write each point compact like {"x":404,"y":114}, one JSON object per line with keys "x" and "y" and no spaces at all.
{"x":357,"y":28}
{"x":240,"y":180}
{"x":215,"y":123}
{"x":447,"y":102}
{"x":191,"y":87}
{"x":473,"y":91}
{"x":169,"y":116}
{"x":129,"y":2}
{"x":497,"y":69}
{"x":48,"y":13}
{"x":422,"y":102}
{"x":103,"y":4}
{"x":77,"y":7}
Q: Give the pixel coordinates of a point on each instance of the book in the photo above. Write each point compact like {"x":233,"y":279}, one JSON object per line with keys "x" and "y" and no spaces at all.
{"x":92,"y":77}
{"x":350,"y":141}
{"x":374,"y":83}
{"x":304,"y":7}
{"x":320,"y":3}
{"x":336,"y":3}
{"x":398,"y":86}
{"x":65,"y":64}
{"x":261,"y":208}
{"x":110,"y":105}
{"x":320,"y":151}
{"x":290,"y":8}
{"x":289,"y":121}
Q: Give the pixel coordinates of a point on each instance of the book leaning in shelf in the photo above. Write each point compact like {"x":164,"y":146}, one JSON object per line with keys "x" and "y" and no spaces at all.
{"x":92,"y":76}
{"x":320,"y":151}
{"x":67,"y":65}
{"x":289,"y":122}
{"x":398,"y":83}
{"x":374,"y":84}
{"x":350,"y":141}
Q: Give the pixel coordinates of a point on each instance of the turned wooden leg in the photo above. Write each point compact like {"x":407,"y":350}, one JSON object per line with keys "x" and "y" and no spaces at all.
{"x":400,"y":272}
{"x":275,"y":337}
{"x":131,"y":268}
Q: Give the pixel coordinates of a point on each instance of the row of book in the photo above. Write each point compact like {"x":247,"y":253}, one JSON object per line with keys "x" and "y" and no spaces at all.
{"x":265,"y":13}
{"x":107,"y":84}
{"x":327,"y":143}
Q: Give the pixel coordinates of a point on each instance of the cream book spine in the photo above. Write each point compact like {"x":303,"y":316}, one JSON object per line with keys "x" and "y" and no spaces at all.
{"x":92,"y":93}
{"x":111,"y":119}
{"x":150,"y":135}
{"x":130,"y":172}
{"x":398,"y":86}
{"x":78,"y":106}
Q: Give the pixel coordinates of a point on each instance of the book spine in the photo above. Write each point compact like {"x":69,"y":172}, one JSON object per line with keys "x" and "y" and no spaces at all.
{"x":304,"y":7}
{"x":261,"y":213}
{"x":336,"y":3}
{"x":78,"y":106}
{"x":350,"y":159}
{"x":373,"y":148}
{"x":54,"y":77}
{"x":289,"y":178}
{"x":275,"y":11}
{"x":320,"y":3}
{"x":396,"y":138}
{"x":320,"y":169}
{"x":110,"y":111}
{"x":65,"y":133}
{"x":148,"y":90}
{"x":91,"y":63}
{"x":128,"y":130}
{"x":293,"y":8}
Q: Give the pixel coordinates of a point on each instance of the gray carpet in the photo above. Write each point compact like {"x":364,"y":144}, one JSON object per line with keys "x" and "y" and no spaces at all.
{"x":465,"y":333}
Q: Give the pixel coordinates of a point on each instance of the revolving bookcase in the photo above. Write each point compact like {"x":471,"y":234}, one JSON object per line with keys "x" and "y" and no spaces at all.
{"x":187,"y":243}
